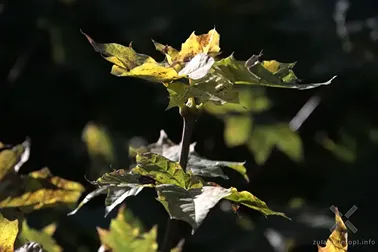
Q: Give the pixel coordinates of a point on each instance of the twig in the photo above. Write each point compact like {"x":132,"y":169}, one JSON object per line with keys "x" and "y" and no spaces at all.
{"x":189,"y":115}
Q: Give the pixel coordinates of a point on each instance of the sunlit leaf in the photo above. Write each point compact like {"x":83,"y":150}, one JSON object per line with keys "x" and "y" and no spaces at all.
{"x":265,"y":137}
{"x":267,"y":73}
{"x":40,"y":189}
{"x":128,"y":62}
{"x":194,"y":45}
{"x":9,"y":231}
{"x":198,"y":67}
{"x":192,"y":205}
{"x":248,"y":199}
{"x":161,"y":169}
{"x":122,"y":236}
{"x":12,"y":158}
{"x":118,"y":185}
{"x":42,"y":237}
{"x":338,"y":240}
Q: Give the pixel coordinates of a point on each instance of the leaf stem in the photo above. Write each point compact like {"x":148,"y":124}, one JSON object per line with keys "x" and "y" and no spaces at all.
{"x":189,"y":115}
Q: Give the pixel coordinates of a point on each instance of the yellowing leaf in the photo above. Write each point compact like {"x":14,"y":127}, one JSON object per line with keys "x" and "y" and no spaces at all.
{"x":194,"y":45}
{"x":8,"y":233}
{"x":98,"y":142}
{"x":128,"y":62}
{"x":122,"y":236}
{"x":40,"y":189}
{"x":248,"y":199}
{"x":42,"y":237}
{"x":161,"y":169}
{"x":338,"y":240}
{"x":11,"y":158}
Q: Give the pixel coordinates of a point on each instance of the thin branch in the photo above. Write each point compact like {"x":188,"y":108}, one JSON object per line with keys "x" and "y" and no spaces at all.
{"x":188,"y":113}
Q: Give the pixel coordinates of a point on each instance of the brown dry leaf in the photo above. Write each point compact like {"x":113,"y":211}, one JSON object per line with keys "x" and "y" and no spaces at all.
{"x":338,"y":240}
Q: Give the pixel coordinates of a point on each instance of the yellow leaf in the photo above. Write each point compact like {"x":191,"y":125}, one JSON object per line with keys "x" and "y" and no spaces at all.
{"x":128,"y":62}
{"x":40,"y":189}
{"x":338,"y":240}
{"x":10,"y":157}
{"x":205,"y":43}
{"x":8,"y":233}
{"x":237,"y":130}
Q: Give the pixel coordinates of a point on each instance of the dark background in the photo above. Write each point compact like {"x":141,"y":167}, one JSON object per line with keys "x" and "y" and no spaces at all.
{"x":53,"y":84}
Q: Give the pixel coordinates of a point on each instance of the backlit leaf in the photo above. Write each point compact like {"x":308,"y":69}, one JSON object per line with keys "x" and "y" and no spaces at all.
{"x":42,"y":237}
{"x":122,"y":236}
{"x":39,"y":189}
{"x":265,"y":137}
{"x":248,"y":199}
{"x":9,"y":231}
{"x":338,"y":240}
{"x":237,"y":130}
{"x":192,"y":205}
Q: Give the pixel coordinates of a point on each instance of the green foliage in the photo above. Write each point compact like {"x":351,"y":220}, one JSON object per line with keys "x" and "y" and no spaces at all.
{"x":126,"y":234}
{"x":42,"y":237}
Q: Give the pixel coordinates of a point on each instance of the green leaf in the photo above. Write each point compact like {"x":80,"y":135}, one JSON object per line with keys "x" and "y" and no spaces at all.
{"x":118,"y":185}
{"x":39,"y":189}
{"x":252,"y":99}
{"x":123,"y":237}
{"x":161,"y":169}
{"x":192,"y":205}
{"x":43,"y":237}
{"x":237,"y":130}
{"x":9,"y":230}
{"x":247,"y":199}
{"x":267,"y":73}
{"x":265,"y":137}
{"x":199,"y":166}
{"x":12,"y":158}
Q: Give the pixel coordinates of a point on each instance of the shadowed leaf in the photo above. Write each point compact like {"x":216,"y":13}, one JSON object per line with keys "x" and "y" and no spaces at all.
{"x":192,"y":205}
{"x":248,"y":199}
{"x":267,"y":73}
{"x":338,"y":240}
{"x":118,"y":185}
